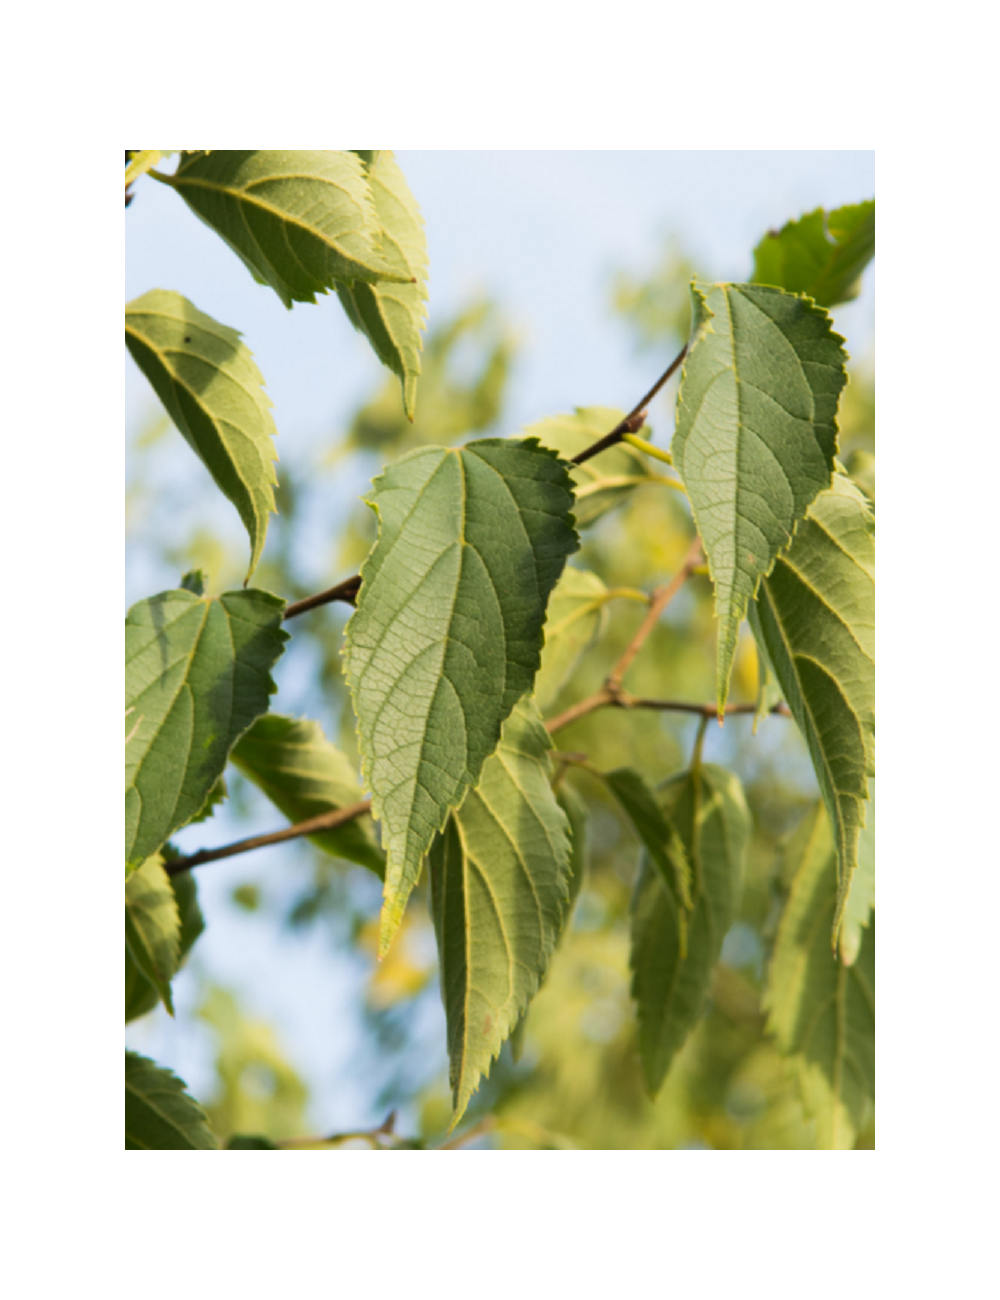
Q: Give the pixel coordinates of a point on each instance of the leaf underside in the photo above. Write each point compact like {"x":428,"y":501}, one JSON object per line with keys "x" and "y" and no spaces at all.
{"x":500,"y":897}
{"x":447,"y":632}
{"x":756,"y":434}
{"x":820,"y":1010}
{"x":671,"y":969}
{"x":606,"y":481}
{"x":140,"y":995}
{"x":197,"y":674}
{"x":304,"y":775}
{"x":815,"y":615}
{"x":159,"y":1114}
{"x":393,"y":316}
{"x":206,"y":378}
{"x":299,"y":219}
{"x":821,"y":254}
{"x":657,"y":832}
{"x":577,"y":614}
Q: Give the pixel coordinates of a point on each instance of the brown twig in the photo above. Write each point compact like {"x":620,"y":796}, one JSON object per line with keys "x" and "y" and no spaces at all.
{"x":324,"y":822}
{"x":346,"y":591}
{"x":603,"y":699}
{"x":635,"y":419}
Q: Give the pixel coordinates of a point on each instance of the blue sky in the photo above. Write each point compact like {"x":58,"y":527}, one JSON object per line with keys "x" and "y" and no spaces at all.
{"x":543,"y":234}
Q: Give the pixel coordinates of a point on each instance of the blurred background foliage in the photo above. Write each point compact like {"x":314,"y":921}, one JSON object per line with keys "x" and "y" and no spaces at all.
{"x":578,"y":1081}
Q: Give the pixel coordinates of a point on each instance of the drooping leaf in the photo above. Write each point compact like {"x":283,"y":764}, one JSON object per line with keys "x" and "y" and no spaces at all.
{"x":303,"y":774}
{"x":820,"y":1010}
{"x":658,"y":834}
{"x":140,"y":996}
{"x":447,"y":633}
{"x":153,"y":926}
{"x":756,"y":434}
{"x":299,"y":219}
{"x":606,"y":481}
{"x":206,"y":377}
{"x":392,"y":316}
{"x":860,"y":905}
{"x":577,"y":615}
{"x":821,"y":254}
{"x":197,"y":674}
{"x":815,"y":616}
{"x":670,"y":982}
{"x":500,"y":893}
{"x":768,"y":688}
{"x":159,"y":1113}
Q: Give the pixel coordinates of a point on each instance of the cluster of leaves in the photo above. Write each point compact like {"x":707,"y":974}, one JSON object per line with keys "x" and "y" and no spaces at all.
{"x":469,"y":624}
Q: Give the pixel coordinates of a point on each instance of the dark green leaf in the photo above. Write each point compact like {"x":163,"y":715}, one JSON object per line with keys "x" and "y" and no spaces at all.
{"x":140,"y":995}
{"x":447,"y":633}
{"x":672,"y":956}
{"x":304,"y":775}
{"x":756,"y":434}
{"x":815,"y":615}
{"x":299,"y":219}
{"x":499,"y":882}
{"x":392,"y":316}
{"x":206,"y":377}
{"x":197,"y":674}
{"x":159,"y":1114}
{"x":820,"y":1010}
{"x":606,"y":481}
{"x":821,"y":254}
{"x":657,"y":833}
{"x":244,"y":1142}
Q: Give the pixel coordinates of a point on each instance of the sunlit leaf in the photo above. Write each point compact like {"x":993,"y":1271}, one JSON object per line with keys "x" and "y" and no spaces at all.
{"x":576,"y":814}
{"x":820,"y":1010}
{"x":300,"y":219}
{"x":815,"y":615}
{"x":393,"y":316}
{"x":153,"y":926}
{"x":577,"y":615}
{"x":606,"y":481}
{"x":197,"y":674}
{"x":206,"y":377}
{"x":447,"y":633}
{"x":500,"y":890}
{"x":159,"y":1114}
{"x":756,"y":434}
{"x":672,"y":957}
{"x":140,"y":996}
{"x":821,"y":254}
{"x":303,"y":774}
{"x":860,"y":905}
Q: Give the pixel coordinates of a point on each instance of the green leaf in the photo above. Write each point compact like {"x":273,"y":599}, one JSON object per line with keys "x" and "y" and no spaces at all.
{"x":245,"y":1142}
{"x":860,"y":466}
{"x":670,"y":983}
{"x":195,"y":581}
{"x":815,"y":616}
{"x":576,"y":814}
{"x":606,"y":481}
{"x":820,"y":1010}
{"x":299,"y":219}
{"x":159,"y":1114}
{"x":756,"y":434}
{"x":821,"y":254}
{"x":860,"y":904}
{"x":657,"y":833}
{"x":216,"y":797}
{"x":197,"y":674}
{"x":447,"y":633}
{"x":140,"y":996}
{"x":206,"y":377}
{"x":577,"y":615}
{"x":392,"y":316}
{"x":153,"y":926}
{"x":500,"y":891}
{"x":303,"y":774}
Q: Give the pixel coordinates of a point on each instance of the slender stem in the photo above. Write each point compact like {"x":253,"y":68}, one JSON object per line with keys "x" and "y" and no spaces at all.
{"x":658,"y":603}
{"x":324,"y":822}
{"x":604,"y":699}
{"x":346,"y":591}
{"x":699,"y":742}
{"x":640,"y":444}
{"x":635,"y":419}
{"x":599,"y":700}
